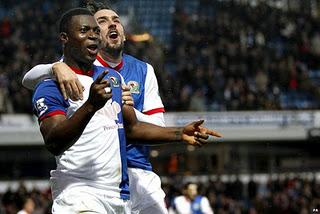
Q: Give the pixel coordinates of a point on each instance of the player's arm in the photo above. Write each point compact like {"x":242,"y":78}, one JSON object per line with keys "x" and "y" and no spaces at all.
{"x":36,"y":75}
{"x":205,"y":206}
{"x":173,"y":208}
{"x":68,"y":81}
{"x":156,"y":118}
{"x":153,"y":108}
{"x":60,"y":133}
{"x":193,"y":133}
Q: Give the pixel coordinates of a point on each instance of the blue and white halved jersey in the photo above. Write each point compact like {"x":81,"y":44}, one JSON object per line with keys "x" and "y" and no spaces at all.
{"x":98,"y":158}
{"x":141,"y":78}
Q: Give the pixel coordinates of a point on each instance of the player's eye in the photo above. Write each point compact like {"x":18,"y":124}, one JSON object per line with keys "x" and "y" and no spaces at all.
{"x":97,"y":30}
{"x":83,"y":30}
{"x":102,"y":21}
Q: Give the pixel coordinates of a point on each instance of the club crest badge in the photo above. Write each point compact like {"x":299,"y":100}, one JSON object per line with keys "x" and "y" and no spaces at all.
{"x":115,"y":82}
{"x":134,"y":87}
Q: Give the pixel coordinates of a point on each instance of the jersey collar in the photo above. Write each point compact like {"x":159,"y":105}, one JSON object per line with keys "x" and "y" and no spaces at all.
{"x":105,"y":64}
{"x":81,"y":72}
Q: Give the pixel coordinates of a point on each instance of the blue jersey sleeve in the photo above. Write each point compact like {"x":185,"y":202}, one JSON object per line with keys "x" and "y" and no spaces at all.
{"x":48,"y":101}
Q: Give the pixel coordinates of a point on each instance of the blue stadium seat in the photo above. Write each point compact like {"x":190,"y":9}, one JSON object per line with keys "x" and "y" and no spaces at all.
{"x":155,"y":16}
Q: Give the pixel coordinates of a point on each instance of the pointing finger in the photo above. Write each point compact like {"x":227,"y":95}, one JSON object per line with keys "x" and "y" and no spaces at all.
{"x":100,"y":77}
{"x":213,"y":133}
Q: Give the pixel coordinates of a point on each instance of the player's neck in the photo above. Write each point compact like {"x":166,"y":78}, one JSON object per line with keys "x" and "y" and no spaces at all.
{"x":85,"y":67}
{"x":114,"y":57}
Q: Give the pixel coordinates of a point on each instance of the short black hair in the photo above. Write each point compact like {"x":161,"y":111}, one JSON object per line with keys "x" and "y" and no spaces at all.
{"x":96,"y":6}
{"x":66,"y":17}
{"x":186,"y":185}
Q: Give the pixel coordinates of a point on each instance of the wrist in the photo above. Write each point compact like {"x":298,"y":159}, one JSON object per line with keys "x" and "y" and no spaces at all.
{"x":54,"y":69}
{"x":90,"y":108}
{"x":179,"y":134}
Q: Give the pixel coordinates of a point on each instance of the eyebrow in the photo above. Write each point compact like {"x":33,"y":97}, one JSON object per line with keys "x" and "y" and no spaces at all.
{"x":88,"y":26}
{"x":84,"y":25}
{"x":106,"y":17}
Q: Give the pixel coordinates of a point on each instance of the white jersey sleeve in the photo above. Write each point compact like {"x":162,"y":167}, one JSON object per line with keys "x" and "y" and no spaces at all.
{"x":36,"y":75}
{"x":205,"y":206}
{"x":152,"y":101}
{"x":156,"y":119}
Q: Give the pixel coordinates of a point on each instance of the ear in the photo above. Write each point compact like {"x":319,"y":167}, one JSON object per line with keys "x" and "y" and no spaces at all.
{"x":63,"y":37}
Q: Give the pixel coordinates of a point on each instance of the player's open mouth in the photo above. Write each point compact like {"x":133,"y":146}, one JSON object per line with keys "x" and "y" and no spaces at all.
{"x":113,"y":34}
{"x":93,"y":49}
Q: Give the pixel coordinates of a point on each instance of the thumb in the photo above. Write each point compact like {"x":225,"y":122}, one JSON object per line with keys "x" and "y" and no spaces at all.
{"x":198,"y":123}
{"x":125,"y":87}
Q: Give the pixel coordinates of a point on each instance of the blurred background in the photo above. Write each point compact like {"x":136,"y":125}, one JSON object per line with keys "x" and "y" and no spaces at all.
{"x":250,"y":68}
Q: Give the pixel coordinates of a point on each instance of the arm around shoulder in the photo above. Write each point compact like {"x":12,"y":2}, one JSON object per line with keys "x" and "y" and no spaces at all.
{"x":36,"y":75}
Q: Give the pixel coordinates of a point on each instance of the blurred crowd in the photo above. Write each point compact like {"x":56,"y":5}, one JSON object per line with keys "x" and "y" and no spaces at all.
{"x":291,"y":195}
{"x":28,"y":36}
{"x":33,"y":201}
{"x":294,"y":196}
{"x":222,"y":56}
{"x":228,"y":56}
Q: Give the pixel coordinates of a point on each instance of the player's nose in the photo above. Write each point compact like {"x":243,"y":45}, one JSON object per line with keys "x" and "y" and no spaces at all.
{"x":93,"y":34}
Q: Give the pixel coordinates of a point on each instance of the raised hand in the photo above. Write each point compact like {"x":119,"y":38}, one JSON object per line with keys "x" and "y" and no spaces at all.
{"x":197,"y":135}
{"x":126,"y":95}
{"x":100,"y":91}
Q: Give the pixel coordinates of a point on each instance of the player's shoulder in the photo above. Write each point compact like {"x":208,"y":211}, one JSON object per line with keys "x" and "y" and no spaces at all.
{"x":47,"y":88}
{"x":133,"y":60}
{"x":137,"y":64}
{"x":113,"y":75}
{"x":46,"y":84}
{"x":99,"y":69}
{"x":179,"y":199}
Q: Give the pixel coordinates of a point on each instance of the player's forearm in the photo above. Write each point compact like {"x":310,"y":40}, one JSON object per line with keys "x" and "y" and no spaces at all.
{"x":37,"y":74}
{"x":156,"y":119}
{"x":66,"y":133}
{"x":148,"y":133}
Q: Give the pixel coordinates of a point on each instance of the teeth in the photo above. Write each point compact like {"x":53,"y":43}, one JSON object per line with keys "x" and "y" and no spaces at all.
{"x":113,"y":33}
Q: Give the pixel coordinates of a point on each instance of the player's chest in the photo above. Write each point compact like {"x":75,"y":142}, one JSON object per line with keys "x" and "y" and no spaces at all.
{"x":111,"y":109}
{"x":136,"y":82}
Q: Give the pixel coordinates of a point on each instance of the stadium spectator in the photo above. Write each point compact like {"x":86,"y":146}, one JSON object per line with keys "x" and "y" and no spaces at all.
{"x":256,"y":60}
{"x":237,"y":47}
{"x":300,"y":195}
{"x":190,"y":202}
{"x":28,"y":206}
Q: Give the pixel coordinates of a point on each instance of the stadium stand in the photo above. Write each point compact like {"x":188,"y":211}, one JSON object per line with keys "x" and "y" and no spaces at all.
{"x":209,"y":55}
{"x":218,"y":54}
{"x":280,"y":194}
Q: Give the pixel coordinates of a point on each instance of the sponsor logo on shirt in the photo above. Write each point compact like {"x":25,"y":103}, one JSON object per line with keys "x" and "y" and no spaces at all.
{"x":117,"y":126}
{"x":111,"y":110}
{"x":134,"y":87}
